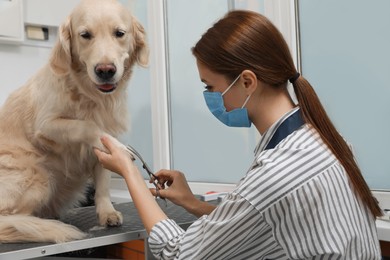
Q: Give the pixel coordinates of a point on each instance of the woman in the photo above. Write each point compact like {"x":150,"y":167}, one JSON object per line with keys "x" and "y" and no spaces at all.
{"x":304,"y":196}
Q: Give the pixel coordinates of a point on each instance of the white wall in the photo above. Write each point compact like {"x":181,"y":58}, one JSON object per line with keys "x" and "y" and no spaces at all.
{"x":17,"y":65}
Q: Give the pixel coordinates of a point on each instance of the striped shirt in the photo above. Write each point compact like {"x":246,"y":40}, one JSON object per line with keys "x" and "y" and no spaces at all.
{"x":295,"y":202}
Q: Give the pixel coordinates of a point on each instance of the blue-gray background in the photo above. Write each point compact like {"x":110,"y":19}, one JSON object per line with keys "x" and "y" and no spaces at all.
{"x":346,"y":56}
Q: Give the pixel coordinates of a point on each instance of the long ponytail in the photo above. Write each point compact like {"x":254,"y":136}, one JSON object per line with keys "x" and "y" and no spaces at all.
{"x":315,"y":115}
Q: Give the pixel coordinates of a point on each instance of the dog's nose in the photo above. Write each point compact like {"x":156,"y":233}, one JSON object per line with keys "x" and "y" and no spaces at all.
{"x":105,"y":71}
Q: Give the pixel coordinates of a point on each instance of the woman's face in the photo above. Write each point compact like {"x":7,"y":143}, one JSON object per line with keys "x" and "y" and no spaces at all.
{"x":234,"y":98}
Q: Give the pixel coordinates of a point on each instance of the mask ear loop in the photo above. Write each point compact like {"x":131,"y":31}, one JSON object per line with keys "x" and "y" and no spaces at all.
{"x":231,"y":85}
{"x":246,"y":101}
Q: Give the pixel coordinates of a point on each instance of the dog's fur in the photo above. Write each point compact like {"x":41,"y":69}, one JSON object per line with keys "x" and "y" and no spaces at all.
{"x":49,"y":126}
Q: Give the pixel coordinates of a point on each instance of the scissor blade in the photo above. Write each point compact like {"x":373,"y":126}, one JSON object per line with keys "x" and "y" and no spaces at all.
{"x":144,"y":164}
{"x":134,"y":152}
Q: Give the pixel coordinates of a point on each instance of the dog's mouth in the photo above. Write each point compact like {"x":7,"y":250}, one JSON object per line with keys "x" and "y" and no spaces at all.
{"x":106,"y":88}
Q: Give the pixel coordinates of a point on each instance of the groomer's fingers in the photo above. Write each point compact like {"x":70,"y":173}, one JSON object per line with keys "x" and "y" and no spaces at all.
{"x":163,"y":193}
{"x":97,"y":152}
{"x":101,"y":155}
{"x":111,"y":143}
{"x":107,"y":142}
{"x":154,"y":192}
{"x":161,"y":182}
{"x":166,"y":175}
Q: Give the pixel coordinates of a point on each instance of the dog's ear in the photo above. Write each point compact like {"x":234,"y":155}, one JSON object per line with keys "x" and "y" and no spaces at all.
{"x":60,"y":59}
{"x":141,"y":50}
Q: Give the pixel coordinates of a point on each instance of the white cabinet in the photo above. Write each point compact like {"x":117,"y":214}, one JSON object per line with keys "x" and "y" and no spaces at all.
{"x":50,"y":13}
{"x":16,"y":16}
{"x":11,"y":21}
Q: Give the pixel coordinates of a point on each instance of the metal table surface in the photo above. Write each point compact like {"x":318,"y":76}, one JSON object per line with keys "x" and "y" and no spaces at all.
{"x":85,"y":219}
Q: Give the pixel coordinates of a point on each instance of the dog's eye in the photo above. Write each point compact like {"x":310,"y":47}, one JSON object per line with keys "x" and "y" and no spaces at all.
{"x":86,"y":35}
{"x":119,"y":33}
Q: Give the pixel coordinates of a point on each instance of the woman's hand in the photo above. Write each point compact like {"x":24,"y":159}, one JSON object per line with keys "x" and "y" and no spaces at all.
{"x":175,"y":188}
{"x":118,"y":159}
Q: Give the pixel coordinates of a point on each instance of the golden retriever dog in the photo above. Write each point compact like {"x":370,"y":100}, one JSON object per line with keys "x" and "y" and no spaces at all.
{"x":49,"y":126}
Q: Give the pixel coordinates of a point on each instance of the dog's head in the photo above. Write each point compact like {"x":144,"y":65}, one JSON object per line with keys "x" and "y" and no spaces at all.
{"x":99,"y":43}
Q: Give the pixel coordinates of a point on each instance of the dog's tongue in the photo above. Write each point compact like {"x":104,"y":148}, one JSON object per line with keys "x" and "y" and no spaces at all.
{"x":106,"y":87}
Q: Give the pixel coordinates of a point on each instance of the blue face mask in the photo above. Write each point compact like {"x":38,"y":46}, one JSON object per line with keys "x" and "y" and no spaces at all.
{"x":237,"y":117}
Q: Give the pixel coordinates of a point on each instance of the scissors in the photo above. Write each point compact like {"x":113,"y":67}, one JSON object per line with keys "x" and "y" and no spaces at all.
{"x":148,"y":170}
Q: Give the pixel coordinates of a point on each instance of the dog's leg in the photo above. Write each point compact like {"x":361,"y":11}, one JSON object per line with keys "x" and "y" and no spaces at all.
{"x":107,"y":215}
{"x":59,"y":132}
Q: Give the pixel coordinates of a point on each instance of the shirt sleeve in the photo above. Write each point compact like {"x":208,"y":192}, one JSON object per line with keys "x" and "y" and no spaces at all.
{"x":164,"y":239}
{"x":220,"y":235}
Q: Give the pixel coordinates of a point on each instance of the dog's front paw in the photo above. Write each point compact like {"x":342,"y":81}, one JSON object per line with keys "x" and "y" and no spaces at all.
{"x":113,"y":218}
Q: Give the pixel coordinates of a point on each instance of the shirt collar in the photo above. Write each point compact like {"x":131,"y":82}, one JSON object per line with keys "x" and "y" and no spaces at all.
{"x":268,"y":134}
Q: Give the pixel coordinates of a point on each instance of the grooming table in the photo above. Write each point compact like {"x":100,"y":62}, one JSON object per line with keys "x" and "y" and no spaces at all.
{"x":85,"y":219}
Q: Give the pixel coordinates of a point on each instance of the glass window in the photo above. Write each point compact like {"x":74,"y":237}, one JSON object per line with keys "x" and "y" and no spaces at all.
{"x":202,"y":147}
{"x":346,"y":57}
